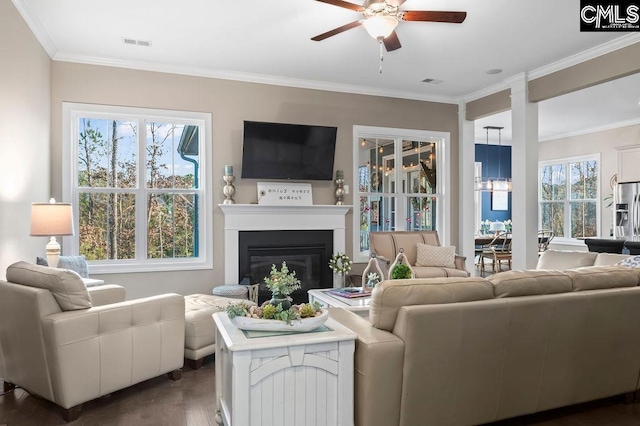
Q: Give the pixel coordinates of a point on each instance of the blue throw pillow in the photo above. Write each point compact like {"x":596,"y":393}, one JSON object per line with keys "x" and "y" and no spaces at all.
{"x":631,"y":262}
{"x":74,"y":263}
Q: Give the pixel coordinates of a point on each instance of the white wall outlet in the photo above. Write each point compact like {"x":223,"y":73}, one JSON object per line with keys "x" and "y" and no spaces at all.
{"x":346,"y":189}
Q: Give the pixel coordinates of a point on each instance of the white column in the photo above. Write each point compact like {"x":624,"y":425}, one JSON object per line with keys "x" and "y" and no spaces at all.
{"x":524,"y":172}
{"x":466,"y":202}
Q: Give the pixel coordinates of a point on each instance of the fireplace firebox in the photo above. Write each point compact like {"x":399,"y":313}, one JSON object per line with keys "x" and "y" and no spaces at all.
{"x":306,"y":252}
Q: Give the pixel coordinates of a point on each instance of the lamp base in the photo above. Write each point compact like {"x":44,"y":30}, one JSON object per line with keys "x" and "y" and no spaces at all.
{"x":53,"y":252}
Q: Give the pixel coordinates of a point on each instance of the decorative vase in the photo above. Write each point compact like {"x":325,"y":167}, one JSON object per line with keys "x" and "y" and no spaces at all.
{"x":278,"y":299}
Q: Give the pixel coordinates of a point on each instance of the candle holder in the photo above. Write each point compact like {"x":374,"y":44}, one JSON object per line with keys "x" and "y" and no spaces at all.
{"x":339,"y":191}
{"x":229,"y":190}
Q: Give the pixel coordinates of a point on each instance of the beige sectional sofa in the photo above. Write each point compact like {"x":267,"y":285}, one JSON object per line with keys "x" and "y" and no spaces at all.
{"x":467,"y":351}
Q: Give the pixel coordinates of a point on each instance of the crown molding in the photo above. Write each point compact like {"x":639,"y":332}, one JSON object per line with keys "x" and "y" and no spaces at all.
{"x":603,"y":49}
{"x":578,"y":58}
{"x":609,"y":126}
{"x":251,"y":78}
{"x":35,"y":26}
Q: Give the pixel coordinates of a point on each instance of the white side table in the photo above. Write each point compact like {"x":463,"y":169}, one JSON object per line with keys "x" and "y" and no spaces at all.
{"x":293,"y":379}
{"x":359,"y":305}
{"x":92,"y":282}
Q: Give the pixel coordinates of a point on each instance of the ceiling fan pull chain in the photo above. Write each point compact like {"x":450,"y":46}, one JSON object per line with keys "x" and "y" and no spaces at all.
{"x":381,"y":53}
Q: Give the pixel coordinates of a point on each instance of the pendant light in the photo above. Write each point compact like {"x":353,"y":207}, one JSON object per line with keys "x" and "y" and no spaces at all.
{"x":486,"y":183}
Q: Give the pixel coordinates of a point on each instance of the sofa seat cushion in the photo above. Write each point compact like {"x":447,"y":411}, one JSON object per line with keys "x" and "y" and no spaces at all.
{"x":435,"y":256}
{"x":437,"y":272}
{"x":389,"y":296}
{"x":530,"y":283}
{"x":560,"y":260}
{"x":602,"y":277}
{"x":65,"y":285}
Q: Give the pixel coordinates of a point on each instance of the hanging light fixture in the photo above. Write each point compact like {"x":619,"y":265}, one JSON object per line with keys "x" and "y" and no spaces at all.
{"x":486,"y":183}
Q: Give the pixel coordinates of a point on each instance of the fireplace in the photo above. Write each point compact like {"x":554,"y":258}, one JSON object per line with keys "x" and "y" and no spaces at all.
{"x":307,"y":252}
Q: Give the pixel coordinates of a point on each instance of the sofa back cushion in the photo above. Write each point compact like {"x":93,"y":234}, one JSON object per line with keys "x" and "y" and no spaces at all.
{"x":530,"y":283}
{"x":605,"y":259}
{"x":561,"y":260}
{"x":602,"y":277}
{"x":65,"y":285}
{"x":389,"y":296}
{"x":388,"y":244}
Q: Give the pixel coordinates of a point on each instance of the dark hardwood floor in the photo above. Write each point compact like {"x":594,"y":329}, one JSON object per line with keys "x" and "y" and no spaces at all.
{"x":191,"y":401}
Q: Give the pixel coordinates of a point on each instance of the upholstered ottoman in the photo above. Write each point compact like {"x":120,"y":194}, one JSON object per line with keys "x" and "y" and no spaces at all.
{"x":200,"y":336}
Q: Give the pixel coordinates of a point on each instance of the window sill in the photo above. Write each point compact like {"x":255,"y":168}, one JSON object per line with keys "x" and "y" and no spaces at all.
{"x":132,"y":266}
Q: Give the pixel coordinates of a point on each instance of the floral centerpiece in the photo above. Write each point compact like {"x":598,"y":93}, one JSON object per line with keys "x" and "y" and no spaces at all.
{"x":282,"y":283}
{"x":278,"y":314}
{"x":340,"y":264}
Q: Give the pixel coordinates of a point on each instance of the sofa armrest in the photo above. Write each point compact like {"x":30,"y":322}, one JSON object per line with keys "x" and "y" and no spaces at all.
{"x":378,"y":363}
{"x":106,"y":294}
{"x":460,"y":263}
{"x":96,"y":351}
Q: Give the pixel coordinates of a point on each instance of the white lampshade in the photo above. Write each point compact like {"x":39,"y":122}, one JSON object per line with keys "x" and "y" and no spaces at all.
{"x":380,"y":26}
{"x":51,"y":219}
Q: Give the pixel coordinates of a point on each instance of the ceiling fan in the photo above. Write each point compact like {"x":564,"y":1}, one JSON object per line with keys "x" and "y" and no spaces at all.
{"x":382,"y":16}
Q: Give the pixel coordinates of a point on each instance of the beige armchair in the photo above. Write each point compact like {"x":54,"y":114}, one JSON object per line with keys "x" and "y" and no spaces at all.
{"x":386,"y":246}
{"x":70,"y":345}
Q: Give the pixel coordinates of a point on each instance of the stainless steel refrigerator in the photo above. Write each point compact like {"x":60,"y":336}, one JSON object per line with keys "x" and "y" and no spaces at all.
{"x":627,"y":211}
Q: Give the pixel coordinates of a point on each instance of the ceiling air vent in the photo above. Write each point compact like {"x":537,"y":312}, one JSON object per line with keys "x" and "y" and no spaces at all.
{"x":432,"y":81}
{"x":136,"y":42}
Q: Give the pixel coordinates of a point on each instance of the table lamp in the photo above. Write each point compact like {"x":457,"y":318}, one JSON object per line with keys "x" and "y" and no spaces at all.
{"x":51,"y":219}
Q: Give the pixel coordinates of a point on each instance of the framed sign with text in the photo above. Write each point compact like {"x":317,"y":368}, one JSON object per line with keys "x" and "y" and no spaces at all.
{"x":284,"y":194}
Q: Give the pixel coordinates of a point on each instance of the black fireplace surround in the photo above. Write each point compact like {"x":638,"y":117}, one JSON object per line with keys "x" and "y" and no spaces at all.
{"x":306,"y":252}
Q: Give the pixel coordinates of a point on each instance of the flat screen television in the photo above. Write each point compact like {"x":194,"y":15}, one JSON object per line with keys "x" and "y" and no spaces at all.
{"x":288,"y":151}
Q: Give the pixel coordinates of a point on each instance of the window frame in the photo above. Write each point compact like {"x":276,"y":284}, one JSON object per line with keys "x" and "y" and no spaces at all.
{"x":71,"y":112}
{"x":567,"y":201}
{"x":443,"y":180}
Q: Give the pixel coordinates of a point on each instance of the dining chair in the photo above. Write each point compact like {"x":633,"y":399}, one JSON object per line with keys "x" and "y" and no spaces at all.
{"x":544,"y":238}
{"x":499,"y":250}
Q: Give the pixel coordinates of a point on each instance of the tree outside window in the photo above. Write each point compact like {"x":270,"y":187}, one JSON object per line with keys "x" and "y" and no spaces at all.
{"x":137,"y":188}
{"x":569,"y":197}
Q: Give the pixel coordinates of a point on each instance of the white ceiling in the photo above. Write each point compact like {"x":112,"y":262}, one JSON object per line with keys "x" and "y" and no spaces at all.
{"x":269,"y":41}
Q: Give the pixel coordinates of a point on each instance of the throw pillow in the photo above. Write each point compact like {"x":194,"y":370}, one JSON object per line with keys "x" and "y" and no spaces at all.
{"x":630,"y":262}
{"x":65,"y":285}
{"x":436,"y":256}
{"x":75,"y":263}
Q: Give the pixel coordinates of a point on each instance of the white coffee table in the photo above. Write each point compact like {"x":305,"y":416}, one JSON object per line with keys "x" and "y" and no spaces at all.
{"x":359,"y":305}
{"x":304,"y":378}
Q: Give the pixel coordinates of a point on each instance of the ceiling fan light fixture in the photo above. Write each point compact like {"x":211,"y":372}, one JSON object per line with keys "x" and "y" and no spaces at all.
{"x":380,"y":26}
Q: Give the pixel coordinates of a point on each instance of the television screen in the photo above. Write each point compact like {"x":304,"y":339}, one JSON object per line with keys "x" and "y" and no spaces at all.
{"x":288,"y":151}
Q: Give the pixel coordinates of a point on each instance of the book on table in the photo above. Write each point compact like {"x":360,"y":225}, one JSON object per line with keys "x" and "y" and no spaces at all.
{"x":349,"y":292}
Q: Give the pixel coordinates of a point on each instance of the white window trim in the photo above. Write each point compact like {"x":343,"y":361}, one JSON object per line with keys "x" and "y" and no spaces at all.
{"x":443,"y":178}
{"x":590,"y":157}
{"x":70,"y":114}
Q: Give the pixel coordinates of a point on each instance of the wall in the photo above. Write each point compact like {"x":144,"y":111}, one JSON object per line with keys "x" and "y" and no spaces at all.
{"x":25,"y":110}
{"x":231,"y":102}
{"x":604,"y":142}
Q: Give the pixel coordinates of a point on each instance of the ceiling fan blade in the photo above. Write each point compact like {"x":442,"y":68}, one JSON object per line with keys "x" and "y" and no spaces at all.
{"x":391,"y":42}
{"x":346,"y":5}
{"x":336,"y":31}
{"x":433,"y":16}
{"x":395,"y":2}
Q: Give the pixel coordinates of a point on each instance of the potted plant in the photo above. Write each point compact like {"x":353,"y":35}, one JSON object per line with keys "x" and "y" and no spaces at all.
{"x":401,"y":272}
{"x":281,"y":283}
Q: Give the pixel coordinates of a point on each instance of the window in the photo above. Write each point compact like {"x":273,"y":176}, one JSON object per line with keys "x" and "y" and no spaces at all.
{"x":136,"y":179}
{"x":568,"y":197}
{"x":410,"y":197}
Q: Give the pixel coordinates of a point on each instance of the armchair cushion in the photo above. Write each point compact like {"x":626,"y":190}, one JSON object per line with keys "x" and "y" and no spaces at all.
{"x":65,"y":285}
{"x":436,"y":256}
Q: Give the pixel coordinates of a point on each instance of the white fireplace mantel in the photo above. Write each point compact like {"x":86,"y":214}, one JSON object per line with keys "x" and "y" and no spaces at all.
{"x":255,"y":217}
